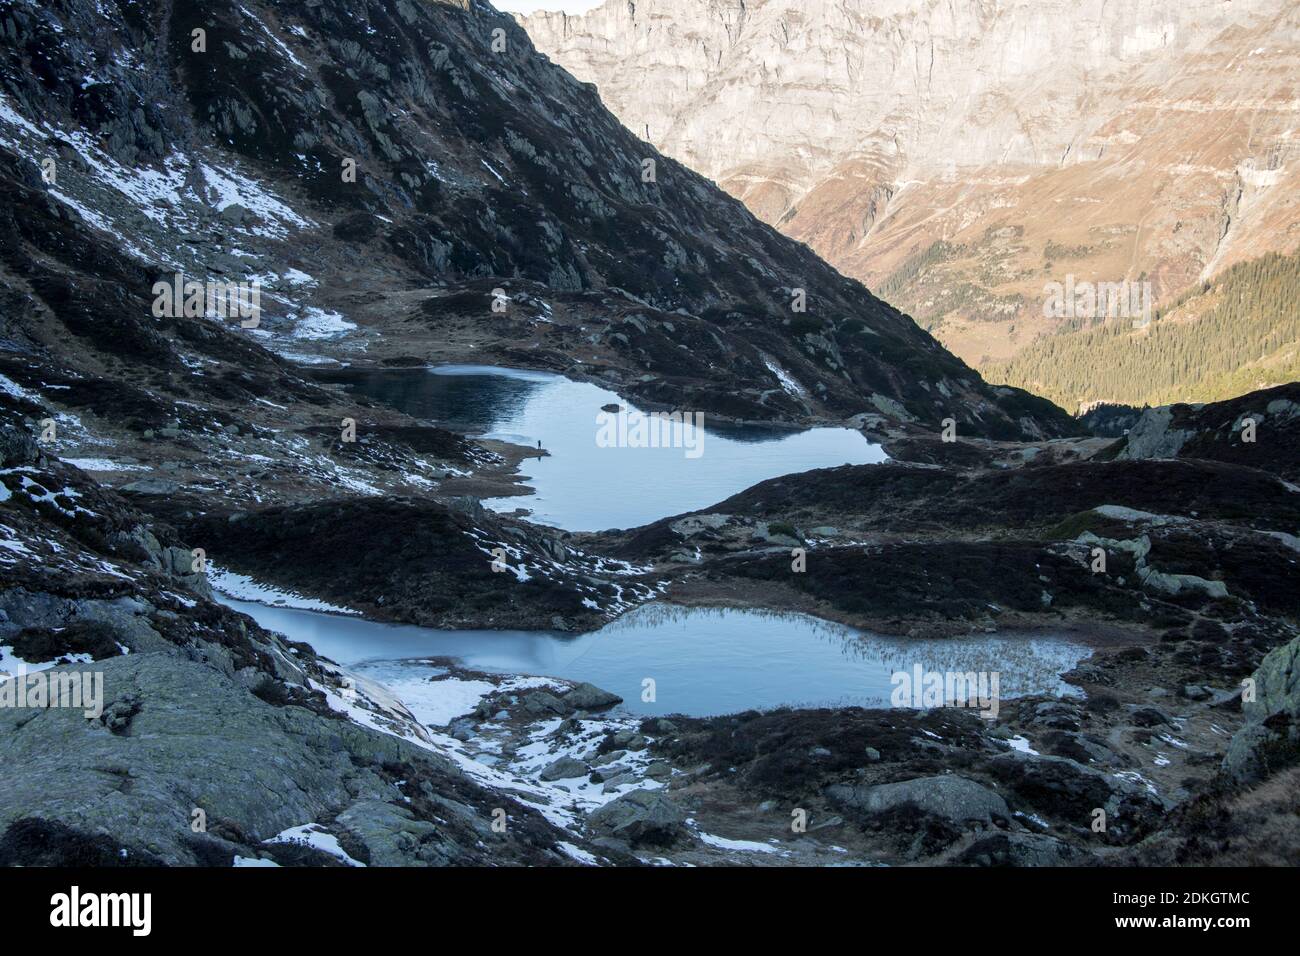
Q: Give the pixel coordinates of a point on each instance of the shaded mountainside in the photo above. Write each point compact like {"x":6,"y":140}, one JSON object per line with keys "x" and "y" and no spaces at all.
{"x":478,"y":165}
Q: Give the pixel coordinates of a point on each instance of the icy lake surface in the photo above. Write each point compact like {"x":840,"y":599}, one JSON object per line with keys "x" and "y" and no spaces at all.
{"x":703,"y":661}
{"x":581,"y":486}
{"x":699,"y":661}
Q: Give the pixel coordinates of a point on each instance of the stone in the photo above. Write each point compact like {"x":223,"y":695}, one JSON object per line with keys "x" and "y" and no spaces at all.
{"x":640,"y":817}
{"x":590,"y":697}
{"x":542,"y":703}
{"x":563,"y":769}
{"x":1270,"y":739}
{"x":152,"y":486}
{"x":1020,"y":849}
{"x":1150,"y":717}
{"x":613,"y":784}
{"x":17,"y":446}
{"x":234,"y":214}
{"x":947,"y":797}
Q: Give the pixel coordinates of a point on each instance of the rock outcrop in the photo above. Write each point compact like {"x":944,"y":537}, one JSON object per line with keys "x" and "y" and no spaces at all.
{"x":639,"y":818}
{"x":950,"y":798}
{"x":1270,"y":741}
{"x":1260,"y":430}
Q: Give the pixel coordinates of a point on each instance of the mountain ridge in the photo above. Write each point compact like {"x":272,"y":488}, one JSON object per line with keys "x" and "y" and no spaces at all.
{"x":958,"y":157}
{"x":213,"y":168}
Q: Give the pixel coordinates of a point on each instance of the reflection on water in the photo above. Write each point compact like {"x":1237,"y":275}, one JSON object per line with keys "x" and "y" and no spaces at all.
{"x":703,"y":661}
{"x":461,"y":397}
{"x":581,"y":486}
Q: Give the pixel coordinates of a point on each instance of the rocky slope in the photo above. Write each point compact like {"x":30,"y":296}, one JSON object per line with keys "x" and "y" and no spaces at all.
{"x":202,"y":710}
{"x":1192,"y":600}
{"x":381,"y":170}
{"x":1258,"y":430}
{"x":1194,"y":596}
{"x":128,"y":440}
{"x":959,"y":156}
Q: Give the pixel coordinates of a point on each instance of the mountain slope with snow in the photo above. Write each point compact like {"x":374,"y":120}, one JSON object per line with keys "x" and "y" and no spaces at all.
{"x":381,"y":169}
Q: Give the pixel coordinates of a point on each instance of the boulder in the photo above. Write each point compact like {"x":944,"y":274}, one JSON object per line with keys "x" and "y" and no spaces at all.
{"x":1060,"y":788}
{"x":564,"y":769}
{"x":17,"y":446}
{"x":590,"y":697}
{"x":1153,"y":436}
{"x":152,"y":486}
{"x":235,"y":214}
{"x":1020,"y":849}
{"x":1150,"y":717}
{"x":542,"y":703}
{"x":1270,"y":739}
{"x":613,"y":783}
{"x":640,"y":817}
{"x":659,"y":770}
{"x":947,"y":797}
{"x":695,"y":524}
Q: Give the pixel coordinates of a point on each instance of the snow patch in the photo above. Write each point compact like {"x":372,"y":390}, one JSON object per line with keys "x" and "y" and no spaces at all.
{"x":244,"y":588}
{"x":748,"y":846}
{"x":315,"y":836}
{"x":319,"y":324}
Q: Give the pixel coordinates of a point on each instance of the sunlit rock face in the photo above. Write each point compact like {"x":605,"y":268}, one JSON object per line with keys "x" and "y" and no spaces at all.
{"x":1152,"y":139}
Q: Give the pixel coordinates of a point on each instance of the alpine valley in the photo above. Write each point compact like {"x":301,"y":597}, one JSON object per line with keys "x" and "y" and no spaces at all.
{"x":363,"y":584}
{"x":961,"y":156}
